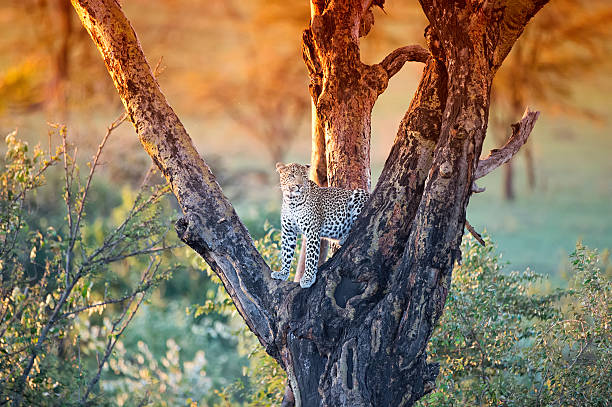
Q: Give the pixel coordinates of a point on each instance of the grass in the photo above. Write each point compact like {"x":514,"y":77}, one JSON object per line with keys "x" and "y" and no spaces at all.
{"x":572,"y":199}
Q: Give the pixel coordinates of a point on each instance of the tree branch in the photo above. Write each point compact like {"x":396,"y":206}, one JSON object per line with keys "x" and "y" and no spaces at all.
{"x":210,"y":224}
{"x":396,"y":59}
{"x":497,"y":157}
{"x":476,"y":235}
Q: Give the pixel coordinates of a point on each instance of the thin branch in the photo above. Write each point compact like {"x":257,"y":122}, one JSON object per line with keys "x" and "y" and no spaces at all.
{"x":497,"y":157}
{"x":92,"y":169}
{"x":67,"y":198}
{"x":153,"y":250}
{"x":396,"y":59}
{"x":109,"y":242}
{"x":106,"y":302}
{"x":114,"y":334}
{"x":476,"y":235}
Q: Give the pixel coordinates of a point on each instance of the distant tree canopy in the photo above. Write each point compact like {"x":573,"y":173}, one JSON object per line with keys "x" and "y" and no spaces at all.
{"x":563,"y":47}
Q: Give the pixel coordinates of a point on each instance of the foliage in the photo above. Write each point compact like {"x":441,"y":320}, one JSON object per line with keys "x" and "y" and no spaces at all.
{"x":499,"y":342}
{"x":264,"y":381}
{"x":573,"y":353}
{"x":142,"y":380}
{"x":51,"y":278}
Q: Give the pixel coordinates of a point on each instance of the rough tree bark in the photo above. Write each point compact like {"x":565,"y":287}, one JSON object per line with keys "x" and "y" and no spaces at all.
{"x":343,"y":88}
{"x":358,"y":336}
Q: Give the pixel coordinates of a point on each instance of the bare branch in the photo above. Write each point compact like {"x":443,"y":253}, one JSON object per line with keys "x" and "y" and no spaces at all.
{"x":497,"y":157}
{"x":476,"y":235}
{"x":396,"y":59}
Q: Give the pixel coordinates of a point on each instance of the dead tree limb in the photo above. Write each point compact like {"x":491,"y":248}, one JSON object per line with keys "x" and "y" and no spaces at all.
{"x":520,"y":134}
{"x":396,"y":59}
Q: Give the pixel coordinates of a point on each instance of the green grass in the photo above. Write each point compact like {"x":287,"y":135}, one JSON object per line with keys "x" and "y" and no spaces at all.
{"x":572,"y":199}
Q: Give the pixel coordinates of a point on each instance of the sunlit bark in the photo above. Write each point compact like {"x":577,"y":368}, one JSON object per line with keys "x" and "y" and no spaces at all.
{"x":358,"y":337}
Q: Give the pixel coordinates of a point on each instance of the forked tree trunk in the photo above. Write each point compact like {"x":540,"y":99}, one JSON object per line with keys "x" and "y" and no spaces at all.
{"x":358,"y":336}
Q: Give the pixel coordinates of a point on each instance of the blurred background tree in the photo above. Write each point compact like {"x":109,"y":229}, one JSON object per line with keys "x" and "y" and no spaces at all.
{"x":566,"y":44}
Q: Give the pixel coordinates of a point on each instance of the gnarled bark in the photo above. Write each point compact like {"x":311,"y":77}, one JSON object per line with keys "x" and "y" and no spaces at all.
{"x":358,"y":336}
{"x":343,"y":88}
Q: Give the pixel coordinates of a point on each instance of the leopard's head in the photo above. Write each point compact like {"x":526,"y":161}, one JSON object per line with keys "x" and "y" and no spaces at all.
{"x":293,"y":178}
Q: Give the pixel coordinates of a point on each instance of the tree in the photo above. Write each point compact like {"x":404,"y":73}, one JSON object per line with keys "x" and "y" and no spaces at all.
{"x":358,"y":336}
{"x":561,"y":48}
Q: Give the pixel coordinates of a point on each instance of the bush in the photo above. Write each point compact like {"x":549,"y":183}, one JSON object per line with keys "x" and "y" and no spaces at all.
{"x":51,"y":277}
{"x":500,"y":342}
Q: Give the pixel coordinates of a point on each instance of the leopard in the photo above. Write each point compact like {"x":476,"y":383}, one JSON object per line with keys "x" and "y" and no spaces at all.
{"x":316,"y":212}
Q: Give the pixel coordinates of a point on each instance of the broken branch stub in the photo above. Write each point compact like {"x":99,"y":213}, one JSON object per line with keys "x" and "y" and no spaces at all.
{"x":520,"y":134}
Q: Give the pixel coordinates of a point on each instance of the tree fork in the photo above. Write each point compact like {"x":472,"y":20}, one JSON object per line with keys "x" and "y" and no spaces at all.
{"x":358,"y":336}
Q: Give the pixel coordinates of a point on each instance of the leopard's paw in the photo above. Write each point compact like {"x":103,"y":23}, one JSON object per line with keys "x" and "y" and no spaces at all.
{"x":280,"y":275}
{"x":307,"y":281}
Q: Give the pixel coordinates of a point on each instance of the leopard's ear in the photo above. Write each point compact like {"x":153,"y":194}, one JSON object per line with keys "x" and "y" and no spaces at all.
{"x":307,"y":166}
{"x":279,"y":166}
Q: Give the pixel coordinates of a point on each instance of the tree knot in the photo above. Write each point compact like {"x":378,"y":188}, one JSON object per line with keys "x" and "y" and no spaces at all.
{"x":446,"y":169}
{"x":188,"y":228}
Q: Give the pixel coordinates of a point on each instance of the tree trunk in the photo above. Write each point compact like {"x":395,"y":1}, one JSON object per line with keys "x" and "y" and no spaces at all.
{"x":530,"y":167}
{"x":318,"y":173}
{"x":358,"y":336}
{"x":508,"y":181}
{"x":58,"y":92}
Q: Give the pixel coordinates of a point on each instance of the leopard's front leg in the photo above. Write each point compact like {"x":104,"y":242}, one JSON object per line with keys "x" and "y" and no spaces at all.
{"x":288,"y":242}
{"x":313,"y":242}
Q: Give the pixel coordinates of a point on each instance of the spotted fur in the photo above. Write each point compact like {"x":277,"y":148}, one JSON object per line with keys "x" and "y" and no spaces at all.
{"x":315,"y":212}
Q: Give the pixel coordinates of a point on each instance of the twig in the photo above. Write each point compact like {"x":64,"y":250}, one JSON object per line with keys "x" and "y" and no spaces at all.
{"x":476,"y":235}
{"x":149,"y":250}
{"x":396,"y":59}
{"x":93,"y":165}
{"x":497,"y":157}
{"x":114,"y":335}
{"x":67,"y":198}
{"x":158,"y":68}
{"x":107,"y":302}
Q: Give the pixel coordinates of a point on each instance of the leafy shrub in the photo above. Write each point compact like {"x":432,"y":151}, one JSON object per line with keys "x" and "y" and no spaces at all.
{"x":500,"y":342}
{"x":51,"y":278}
{"x":572,"y":354}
